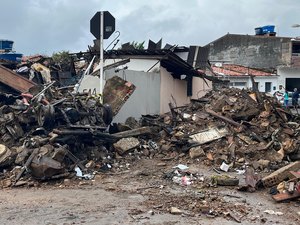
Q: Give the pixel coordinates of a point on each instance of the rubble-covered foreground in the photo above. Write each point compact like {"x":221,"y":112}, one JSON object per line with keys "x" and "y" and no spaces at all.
{"x":139,"y":195}
{"x":63,"y":136}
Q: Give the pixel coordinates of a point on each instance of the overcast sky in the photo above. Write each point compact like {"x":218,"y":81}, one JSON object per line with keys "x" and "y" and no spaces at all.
{"x":47,"y":26}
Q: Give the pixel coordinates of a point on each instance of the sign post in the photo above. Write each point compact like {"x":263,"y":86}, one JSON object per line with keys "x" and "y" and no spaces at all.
{"x":102,"y":25}
{"x":101,"y":56}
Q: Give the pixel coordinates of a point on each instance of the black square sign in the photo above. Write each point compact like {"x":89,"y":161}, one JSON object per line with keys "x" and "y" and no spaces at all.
{"x":108,"y":25}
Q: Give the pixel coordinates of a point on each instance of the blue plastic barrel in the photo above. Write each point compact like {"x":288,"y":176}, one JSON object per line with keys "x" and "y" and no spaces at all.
{"x":258,"y":31}
{"x":268,"y":29}
{"x":6,"y":45}
{"x":11,"y":56}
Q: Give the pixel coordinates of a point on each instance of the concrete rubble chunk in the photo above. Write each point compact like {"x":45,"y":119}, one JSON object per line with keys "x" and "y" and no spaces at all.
{"x":263,"y":163}
{"x":196,"y":152}
{"x":5,"y":183}
{"x":175,"y":211}
{"x":43,"y":167}
{"x":126,"y":144}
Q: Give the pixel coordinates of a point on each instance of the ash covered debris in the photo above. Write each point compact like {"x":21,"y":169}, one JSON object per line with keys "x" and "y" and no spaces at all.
{"x":48,"y":131}
{"x":51,"y":132}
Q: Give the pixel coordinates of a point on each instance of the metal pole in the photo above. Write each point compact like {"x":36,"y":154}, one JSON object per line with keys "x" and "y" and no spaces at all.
{"x":101,"y":56}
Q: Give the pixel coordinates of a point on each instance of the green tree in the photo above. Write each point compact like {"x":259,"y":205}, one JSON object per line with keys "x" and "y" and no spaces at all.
{"x":139,"y":46}
{"x":62,"y":57}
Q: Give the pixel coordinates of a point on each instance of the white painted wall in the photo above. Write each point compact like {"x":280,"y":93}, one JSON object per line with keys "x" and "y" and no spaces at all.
{"x":260,"y":79}
{"x":172,"y":87}
{"x":153,"y":90}
{"x":234,"y":82}
{"x":262,"y":83}
{"x":200,"y":88}
{"x":144,"y":100}
{"x":138,"y":64}
{"x":287,"y":72}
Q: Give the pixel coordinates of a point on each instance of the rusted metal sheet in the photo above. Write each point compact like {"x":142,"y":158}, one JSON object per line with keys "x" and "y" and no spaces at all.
{"x":14,"y":80}
{"x":116,"y":92}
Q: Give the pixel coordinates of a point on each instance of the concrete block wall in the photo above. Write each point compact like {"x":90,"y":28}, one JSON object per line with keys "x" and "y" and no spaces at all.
{"x":252,"y":51}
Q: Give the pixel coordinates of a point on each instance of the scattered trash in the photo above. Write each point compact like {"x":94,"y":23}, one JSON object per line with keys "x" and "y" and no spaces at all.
{"x":224,"y":167}
{"x":181,"y":167}
{"x":81,"y":175}
{"x":78,"y":172}
{"x":184,"y":181}
{"x":240,"y":172}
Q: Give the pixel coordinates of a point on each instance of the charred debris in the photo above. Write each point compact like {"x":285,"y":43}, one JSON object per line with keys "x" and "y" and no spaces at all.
{"x":51,"y":131}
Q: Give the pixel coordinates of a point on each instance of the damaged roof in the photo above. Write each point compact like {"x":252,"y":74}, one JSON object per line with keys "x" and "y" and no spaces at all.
{"x":169,"y":60}
{"x":14,"y":80}
{"x":175,"y":65}
{"x":238,"y":70}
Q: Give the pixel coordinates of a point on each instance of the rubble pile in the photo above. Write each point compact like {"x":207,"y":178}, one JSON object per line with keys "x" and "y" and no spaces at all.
{"x":231,"y":130}
{"x":233,"y":126}
{"x":42,"y":70}
{"x":51,"y":131}
{"x":239,"y":131}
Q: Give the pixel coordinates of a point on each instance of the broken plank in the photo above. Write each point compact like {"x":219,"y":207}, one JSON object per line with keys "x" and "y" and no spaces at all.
{"x":133,"y":132}
{"x":28,"y":162}
{"x":14,"y":80}
{"x":213,"y":113}
{"x":285,"y":196}
{"x":208,"y":135}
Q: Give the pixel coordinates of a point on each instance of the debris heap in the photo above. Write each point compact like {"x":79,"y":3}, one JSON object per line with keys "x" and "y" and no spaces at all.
{"x":232,"y":126}
{"x":51,"y":131}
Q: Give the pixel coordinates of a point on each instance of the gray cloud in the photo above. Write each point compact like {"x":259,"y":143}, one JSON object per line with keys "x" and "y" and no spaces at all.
{"x":41,"y":26}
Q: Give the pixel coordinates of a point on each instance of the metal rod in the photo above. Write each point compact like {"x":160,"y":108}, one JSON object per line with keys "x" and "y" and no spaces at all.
{"x":213,"y":113}
{"x":43,"y":91}
{"x":86,"y":72}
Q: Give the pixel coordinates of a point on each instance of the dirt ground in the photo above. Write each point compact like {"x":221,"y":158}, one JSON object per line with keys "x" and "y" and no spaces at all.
{"x":140,"y":194}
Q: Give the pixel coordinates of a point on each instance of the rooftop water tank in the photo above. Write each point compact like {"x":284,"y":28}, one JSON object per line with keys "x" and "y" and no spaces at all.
{"x":268,"y":29}
{"x":6,"y":45}
{"x":11,"y":56}
{"x":258,"y":31}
